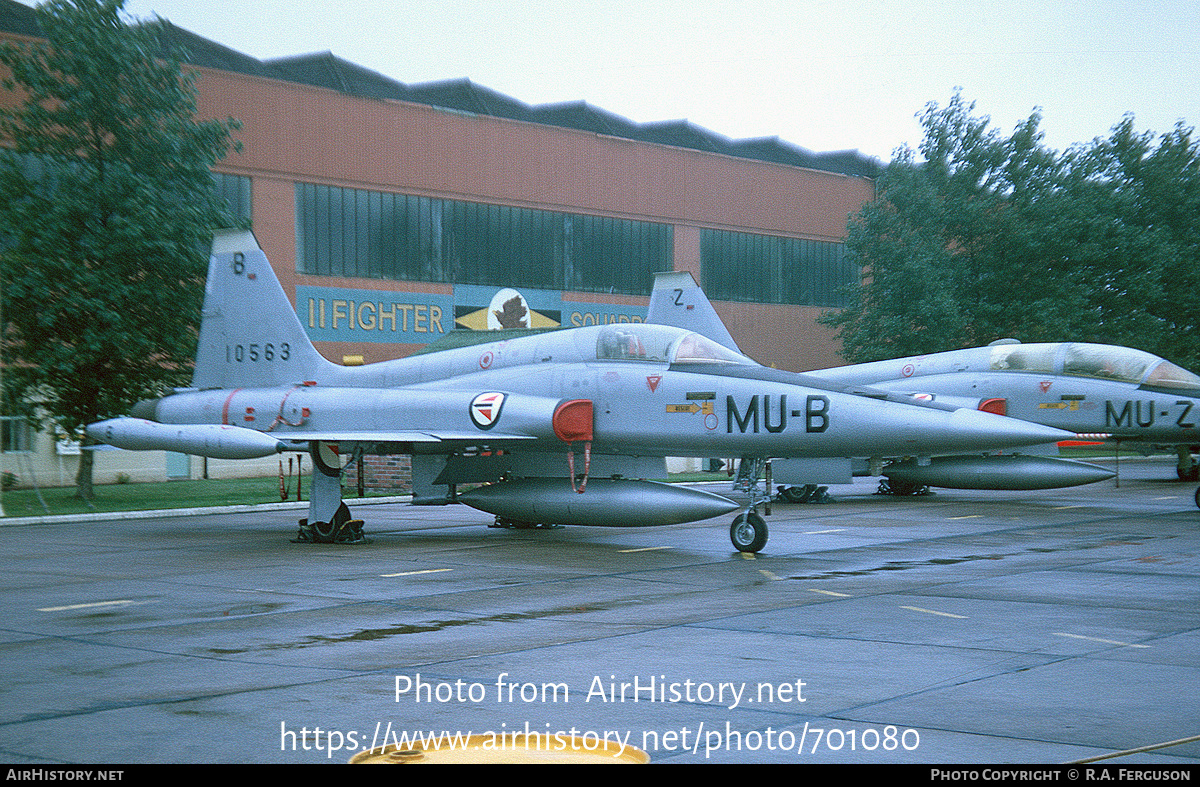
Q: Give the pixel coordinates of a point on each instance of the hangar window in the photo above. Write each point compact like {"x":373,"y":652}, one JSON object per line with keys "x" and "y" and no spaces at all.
{"x":368,"y":234}
{"x":740,"y":266}
{"x":235,"y":190}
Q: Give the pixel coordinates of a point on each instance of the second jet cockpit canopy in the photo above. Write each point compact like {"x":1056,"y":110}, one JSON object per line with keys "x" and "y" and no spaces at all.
{"x":1096,"y":361}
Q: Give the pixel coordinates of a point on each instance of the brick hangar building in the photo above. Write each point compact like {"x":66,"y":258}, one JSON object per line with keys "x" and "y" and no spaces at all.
{"x":396,"y":213}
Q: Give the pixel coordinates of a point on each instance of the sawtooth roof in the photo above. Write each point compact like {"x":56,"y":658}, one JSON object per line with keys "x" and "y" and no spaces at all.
{"x":327,"y":70}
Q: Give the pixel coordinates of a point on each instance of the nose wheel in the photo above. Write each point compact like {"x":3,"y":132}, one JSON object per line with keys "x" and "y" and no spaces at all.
{"x":748,"y":532}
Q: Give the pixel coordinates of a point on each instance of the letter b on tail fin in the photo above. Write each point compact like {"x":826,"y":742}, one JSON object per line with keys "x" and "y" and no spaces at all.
{"x":250,"y":335}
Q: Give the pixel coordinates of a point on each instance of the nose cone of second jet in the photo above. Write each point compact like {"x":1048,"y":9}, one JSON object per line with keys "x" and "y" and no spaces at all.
{"x":972,"y":429}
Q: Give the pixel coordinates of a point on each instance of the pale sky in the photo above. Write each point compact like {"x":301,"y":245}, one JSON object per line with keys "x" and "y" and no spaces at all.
{"x":821,"y":75}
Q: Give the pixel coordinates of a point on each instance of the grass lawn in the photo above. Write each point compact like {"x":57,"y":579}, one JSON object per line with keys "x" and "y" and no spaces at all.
{"x":142,"y":497}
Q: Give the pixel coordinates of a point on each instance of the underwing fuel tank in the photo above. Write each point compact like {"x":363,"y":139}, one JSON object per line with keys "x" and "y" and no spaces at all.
{"x":1010,"y":472}
{"x":609,"y":502}
{"x":216,"y":441}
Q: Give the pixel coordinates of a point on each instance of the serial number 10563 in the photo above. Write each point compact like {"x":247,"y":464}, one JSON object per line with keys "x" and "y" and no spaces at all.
{"x":253,"y":353}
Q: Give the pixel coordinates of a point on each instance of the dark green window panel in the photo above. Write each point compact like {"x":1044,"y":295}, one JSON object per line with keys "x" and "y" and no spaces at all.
{"x":235,"y":190}
{"x":740,"y":266}
{"x":369,"y":234}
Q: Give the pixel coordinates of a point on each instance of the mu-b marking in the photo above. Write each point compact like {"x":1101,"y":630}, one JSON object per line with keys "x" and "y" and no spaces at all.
{"x":775,"y":416}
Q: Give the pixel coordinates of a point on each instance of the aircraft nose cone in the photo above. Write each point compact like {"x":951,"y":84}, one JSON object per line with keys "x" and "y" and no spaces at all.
{"x":986,"y":430}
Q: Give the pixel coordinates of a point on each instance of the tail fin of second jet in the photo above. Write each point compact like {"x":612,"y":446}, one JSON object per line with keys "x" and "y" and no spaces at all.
{"x":677,"y":300}
{"x":250,"y":335}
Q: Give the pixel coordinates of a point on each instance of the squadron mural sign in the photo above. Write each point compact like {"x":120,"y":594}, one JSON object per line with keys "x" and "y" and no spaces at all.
{"x":338,"y":314}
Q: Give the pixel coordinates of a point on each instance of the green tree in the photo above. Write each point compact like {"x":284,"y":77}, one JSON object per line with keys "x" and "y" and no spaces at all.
{"x":106,"y":206}
{"x":984,"y":236}
{"x":949,"y":242}
{"x":1153,"y":201}
{"x":910,"y":303}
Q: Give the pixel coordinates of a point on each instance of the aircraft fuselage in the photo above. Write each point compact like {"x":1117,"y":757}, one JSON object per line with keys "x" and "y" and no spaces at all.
{"x":1087,"y":389}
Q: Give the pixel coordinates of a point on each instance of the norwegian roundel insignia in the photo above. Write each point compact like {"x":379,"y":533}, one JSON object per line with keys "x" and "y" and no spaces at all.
{"x":485,"y":409}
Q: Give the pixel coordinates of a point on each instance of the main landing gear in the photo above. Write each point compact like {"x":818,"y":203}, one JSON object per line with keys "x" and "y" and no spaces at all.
{"x":520,"y":524}
{"x":901,"y":488}
{"x":328,"y":520}
{"x":748,"y":533}
{"x":807,"y":493}
{"x":341,"y":529}
{"x":1186,"y":468}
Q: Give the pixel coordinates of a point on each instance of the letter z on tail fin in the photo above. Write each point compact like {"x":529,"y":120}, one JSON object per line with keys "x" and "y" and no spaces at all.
{"x":678,"y":301}
{"x":250,"y":335}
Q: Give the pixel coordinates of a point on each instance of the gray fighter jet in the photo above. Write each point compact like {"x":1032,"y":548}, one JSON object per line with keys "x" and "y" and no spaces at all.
{"x":559,"y":427}
{"x":1099,"y":392}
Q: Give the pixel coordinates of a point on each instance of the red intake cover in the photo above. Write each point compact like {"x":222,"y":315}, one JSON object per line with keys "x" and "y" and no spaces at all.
{"x":573,"y":420}
{"x":997,"y":406}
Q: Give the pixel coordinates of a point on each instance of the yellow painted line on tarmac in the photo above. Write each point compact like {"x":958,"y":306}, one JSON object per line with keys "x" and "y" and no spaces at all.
{"x":828,"y":592}
{"x":414,"y":573}
{"x":1065,"y":508}
{"x":643,"y":549}
{"x":1125,"y":753}
{"x":820,"y":532}
{"x":768,"y":574}
{"x":1098,"y":639}
{"x":93,"y":605}
{"x":935,"y":612}
{"x":968,"y":516}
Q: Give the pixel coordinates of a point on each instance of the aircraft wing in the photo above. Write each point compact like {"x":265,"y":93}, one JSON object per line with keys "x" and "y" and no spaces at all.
{"x":395,"y":437}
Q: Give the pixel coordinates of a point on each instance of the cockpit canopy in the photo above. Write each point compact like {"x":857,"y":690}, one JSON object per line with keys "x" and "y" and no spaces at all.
{"x":1097,"y":361}
{"x":1173,"y":378}
{"x":661,"y":344}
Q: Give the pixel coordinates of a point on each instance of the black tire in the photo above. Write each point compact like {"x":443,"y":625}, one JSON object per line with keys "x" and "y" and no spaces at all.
{"x":324,"y":532}
{"x":1198,"y":497}
{"x":796,"y":494}
{"x":906,"y":489}
{"x":748,"y":532}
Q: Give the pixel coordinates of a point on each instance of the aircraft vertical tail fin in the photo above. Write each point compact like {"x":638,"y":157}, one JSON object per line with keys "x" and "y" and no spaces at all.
{"x":678,"y":301}
{"x":250,"y":335}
